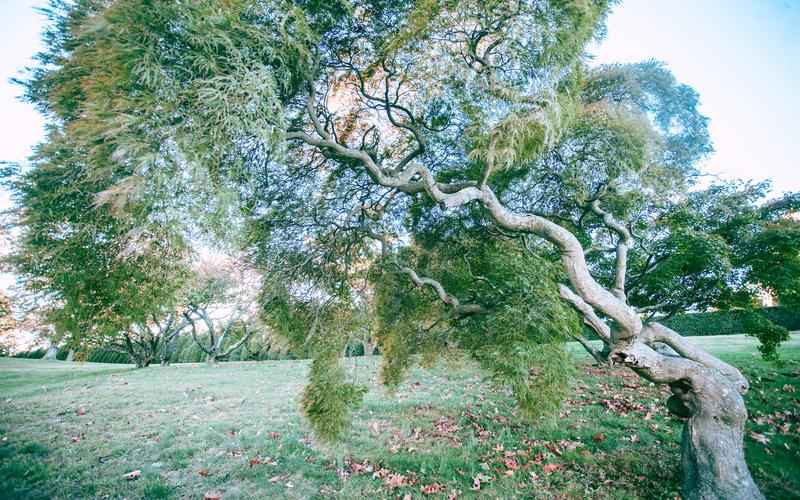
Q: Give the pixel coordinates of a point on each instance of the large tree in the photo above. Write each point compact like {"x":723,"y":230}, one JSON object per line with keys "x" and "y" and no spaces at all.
{"x":508,"y":182}
{"x":100,"y":274}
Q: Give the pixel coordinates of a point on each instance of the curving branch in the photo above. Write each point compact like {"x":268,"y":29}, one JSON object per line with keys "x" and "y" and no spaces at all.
{"x":587,"y":345}
{"x":656,"y":332}
{"x":238,"y":344}
{"x":589,"y":315}
{"x":623,"y":244}
{"x":459,"y":309}
{"x":194,"y":333}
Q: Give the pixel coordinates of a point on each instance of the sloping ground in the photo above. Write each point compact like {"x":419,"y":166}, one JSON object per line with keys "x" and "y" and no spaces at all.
{"x":73,"y":430}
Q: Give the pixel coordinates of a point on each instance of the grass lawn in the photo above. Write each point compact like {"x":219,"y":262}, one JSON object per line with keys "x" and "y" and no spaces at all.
{"x":72,"y":430}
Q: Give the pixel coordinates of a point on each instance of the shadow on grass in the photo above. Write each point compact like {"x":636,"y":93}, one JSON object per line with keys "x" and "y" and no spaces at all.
{"x":24,"y":472}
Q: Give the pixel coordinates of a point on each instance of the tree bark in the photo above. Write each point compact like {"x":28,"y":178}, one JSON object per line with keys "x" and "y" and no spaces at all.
{"x":70,"y":355}
{"x":141,"y":361}
{"x":712,"y":452}
{"x":51,"y":353}
{"x":211,"y":359}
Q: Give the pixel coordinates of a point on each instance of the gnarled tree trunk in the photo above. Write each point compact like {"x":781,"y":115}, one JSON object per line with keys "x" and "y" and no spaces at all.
{"x":142,"y":361}
{"x":712,"y":450}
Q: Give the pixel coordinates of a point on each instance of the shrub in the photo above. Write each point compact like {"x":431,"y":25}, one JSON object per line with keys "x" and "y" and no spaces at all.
{"x":34,"y":354}
{"x":103,"y":356}
{"x":730,"y":322}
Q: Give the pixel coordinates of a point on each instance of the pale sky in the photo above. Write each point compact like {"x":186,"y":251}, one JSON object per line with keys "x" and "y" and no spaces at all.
{"x":742,"y":56}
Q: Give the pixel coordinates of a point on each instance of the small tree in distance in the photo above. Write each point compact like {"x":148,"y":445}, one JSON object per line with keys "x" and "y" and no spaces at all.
{"x":7,"y":325}
{"x":223,"y":302}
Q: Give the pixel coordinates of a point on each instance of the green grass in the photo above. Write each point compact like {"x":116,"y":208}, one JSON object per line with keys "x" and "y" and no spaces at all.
{"x":70,"y":430}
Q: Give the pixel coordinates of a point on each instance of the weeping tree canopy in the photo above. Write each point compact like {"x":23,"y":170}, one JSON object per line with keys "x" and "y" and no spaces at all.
{"x":457,"y":168}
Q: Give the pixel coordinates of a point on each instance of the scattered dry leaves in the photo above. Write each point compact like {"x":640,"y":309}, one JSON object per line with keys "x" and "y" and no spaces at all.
{"x":432,"y":489}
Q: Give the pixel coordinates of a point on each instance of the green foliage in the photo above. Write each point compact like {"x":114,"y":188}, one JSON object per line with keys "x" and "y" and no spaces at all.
{"x":397,"y":341}
{"x":518,"y":340}
{"x":328,"y":399}
{"x":730,"y":322}
{"x":7,"y":323}
{"x":102,"y":272}
{"x":104,"y":356}
{"x":33,"y":354}
{"x":319,"y":328}
{"x":649,"y":87}
{"x":719,"y":247}
{"x":521,"y":341}
{"x":768,"y":333}
{"x":773,"y":257}
{"x":170,"y":121}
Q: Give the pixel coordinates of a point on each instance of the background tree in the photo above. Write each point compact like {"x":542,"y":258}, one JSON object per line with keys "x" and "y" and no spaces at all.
{"x":103,"y":274}
{"x":222,"y":298}
{"x":143,"y":341}
{"x":7,"y":325}
{"x":720,"y":247}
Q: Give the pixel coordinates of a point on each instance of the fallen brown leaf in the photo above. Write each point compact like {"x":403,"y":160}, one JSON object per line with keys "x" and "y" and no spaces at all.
{"x":130,"y":476}
{"x":550,"y":468}
{"x":432,"y":488}
{"x":395,"y":481}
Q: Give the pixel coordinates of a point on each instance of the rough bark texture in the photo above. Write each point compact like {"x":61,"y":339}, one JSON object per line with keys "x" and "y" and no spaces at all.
{"x":712,"y":450}
{"x":713,"y":461}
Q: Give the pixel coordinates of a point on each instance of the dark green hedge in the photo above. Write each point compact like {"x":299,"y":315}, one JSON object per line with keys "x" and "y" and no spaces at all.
{"x":35,"y":354}
{"x":101,"y":356}
{"x":729,"y":322}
